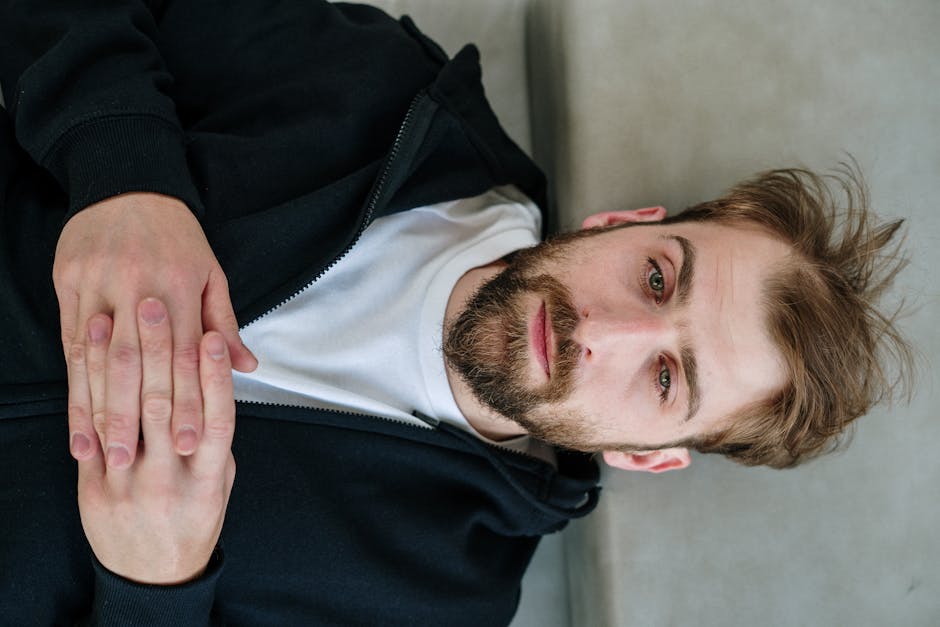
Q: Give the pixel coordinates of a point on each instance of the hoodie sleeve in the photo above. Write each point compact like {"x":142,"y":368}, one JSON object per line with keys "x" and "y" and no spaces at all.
{"x":88,"y":93}
{"x":124,"y":603}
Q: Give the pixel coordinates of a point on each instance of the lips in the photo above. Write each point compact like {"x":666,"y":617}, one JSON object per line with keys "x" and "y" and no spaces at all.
{"x":538,"y":339}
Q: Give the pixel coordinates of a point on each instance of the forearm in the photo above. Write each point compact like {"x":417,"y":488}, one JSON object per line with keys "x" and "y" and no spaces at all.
{"x":87,"y":90}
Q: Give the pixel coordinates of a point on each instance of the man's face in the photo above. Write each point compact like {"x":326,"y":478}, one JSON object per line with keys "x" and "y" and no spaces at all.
{"x":624,"y":337}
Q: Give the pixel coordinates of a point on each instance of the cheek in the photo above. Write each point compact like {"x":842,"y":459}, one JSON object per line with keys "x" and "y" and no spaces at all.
{"x":608,"y":408}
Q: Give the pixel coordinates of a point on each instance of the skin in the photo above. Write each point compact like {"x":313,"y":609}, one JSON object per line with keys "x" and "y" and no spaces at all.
{"x":625,"y":338}
{"x":109,"y":257}
{"x":158,"y":520}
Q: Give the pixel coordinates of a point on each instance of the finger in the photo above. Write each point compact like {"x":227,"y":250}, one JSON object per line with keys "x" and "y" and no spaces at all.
{"x":68,"y":320}
{"x":215,"y":372}
{"x":218,"y":315}
{"x":83,"y":441}
{"x":74,"y":338}
{"x":98,"y":334}
{"x":156,"y":388}
{"x":91,"y":465}
{"x":82,"y":437}
{"x":187,"y":397}
{"x":122,"y":417}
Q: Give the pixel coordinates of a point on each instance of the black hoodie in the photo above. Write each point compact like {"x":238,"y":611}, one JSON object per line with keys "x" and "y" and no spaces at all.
{"x":286,"y":129}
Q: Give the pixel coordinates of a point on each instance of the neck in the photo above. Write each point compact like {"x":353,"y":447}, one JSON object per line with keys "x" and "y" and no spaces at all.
{"x":484,"y":420}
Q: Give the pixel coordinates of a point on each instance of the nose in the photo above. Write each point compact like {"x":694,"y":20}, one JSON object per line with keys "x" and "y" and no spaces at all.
{"x":624,"y":333}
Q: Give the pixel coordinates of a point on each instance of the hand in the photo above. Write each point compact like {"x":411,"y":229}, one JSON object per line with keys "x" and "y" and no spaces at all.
{"x":109,"y":257}
{"x":159,"y":520}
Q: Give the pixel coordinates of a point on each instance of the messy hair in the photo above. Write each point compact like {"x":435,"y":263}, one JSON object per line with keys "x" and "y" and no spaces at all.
{"x":841,"y":354}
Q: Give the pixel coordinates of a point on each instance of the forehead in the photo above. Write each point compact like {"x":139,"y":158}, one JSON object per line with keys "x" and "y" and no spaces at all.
{"x":743,"y":237}
{"x":727,"y":315}
{"x":724,"y":320}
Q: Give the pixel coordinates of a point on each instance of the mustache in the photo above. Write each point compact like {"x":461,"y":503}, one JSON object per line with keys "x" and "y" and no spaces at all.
{"x":488,"y":344}
{"x":563,"y":318}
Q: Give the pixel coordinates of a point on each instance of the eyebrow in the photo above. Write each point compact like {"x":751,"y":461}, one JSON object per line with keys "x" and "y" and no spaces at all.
{"x":684,"y":278}
{"x":686,"y":273}
{"x":690,"y":369}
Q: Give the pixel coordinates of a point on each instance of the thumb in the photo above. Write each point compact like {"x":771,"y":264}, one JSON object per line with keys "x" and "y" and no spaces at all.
{"x":218,"y":315}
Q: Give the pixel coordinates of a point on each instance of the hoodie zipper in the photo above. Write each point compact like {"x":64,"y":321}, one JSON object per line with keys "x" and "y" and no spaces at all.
{"x":377,"y":190}
{"x":429,"y":423}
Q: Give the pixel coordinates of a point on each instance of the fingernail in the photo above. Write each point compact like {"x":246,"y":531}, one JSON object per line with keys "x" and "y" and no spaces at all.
{"x":152,"y":311}
{"x":215,"y":346}
{"x":118,"y":457}
{"x":80,"y":444}
{"x":186,"y":440}
{"x":97,"y":331}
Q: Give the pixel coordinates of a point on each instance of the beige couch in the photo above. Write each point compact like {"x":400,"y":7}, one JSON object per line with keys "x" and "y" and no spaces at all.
{"x":630,"y":103}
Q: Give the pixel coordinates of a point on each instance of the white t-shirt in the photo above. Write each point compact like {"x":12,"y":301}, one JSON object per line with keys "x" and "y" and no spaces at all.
{"x":366,"y":336}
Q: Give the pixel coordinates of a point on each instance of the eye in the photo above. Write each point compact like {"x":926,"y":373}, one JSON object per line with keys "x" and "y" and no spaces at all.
{"x":664,"y":380}
{"x":656,"y":281}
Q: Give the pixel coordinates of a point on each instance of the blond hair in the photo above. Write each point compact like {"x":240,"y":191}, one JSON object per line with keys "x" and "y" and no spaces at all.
{"x":842,"y":355}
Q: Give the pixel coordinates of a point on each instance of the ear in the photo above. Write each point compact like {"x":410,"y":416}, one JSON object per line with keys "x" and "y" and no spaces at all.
{"x":649,"y":461}
{"x":610,"y":218}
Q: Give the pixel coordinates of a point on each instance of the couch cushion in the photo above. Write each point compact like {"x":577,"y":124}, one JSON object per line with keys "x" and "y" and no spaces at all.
{"x":497,"y":27}
{"x":670,"y":103}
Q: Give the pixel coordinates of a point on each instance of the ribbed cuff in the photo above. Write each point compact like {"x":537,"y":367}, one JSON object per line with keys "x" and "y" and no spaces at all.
{"x":119,"y":154}
{"x":119,"y":601}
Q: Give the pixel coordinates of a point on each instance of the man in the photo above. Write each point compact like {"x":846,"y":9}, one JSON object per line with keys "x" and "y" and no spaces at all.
{"x":368,"y":214}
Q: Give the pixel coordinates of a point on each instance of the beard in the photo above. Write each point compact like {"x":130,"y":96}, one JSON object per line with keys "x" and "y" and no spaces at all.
{"x":488,"y":345}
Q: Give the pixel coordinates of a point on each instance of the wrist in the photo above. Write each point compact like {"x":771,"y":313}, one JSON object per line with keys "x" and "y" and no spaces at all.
{"x":142,"y":572}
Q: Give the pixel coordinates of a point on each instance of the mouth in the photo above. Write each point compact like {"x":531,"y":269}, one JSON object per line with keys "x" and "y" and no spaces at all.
{"x":538,"y":339}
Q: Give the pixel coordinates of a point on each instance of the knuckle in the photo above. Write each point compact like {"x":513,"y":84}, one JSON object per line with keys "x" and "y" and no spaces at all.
{"x":65,"y":273}
{"x":99,"y":421}
{"x":78,"y":413}
{"x":96,"y":368}
{"x":218,"y":379}
{"x":186,"y":357}
{"x":219,"y":429}
{"x":77,"y":355}
{"x":155,"y":347}
{"x":125,"y":355}
{"x":187,"y":407}
{"x":117,"y":422}
{"x":156,"y":407}
{"x":68,"y":333}
{"x":229,"y":321}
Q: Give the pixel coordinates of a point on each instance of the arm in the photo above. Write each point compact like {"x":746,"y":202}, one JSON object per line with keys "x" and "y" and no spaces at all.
{"x":89,"y":96}
{"x":154,"y":526}
{"x":88,"y":93}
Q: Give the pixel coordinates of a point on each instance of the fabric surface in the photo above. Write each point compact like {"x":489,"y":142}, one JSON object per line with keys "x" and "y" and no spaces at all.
{"x":648,"y":103}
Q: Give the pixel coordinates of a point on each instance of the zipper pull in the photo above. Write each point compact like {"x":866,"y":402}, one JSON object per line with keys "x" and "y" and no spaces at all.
{"x":434,"y":422}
